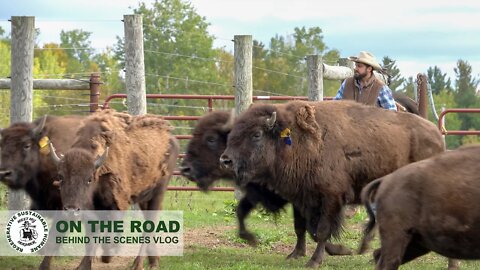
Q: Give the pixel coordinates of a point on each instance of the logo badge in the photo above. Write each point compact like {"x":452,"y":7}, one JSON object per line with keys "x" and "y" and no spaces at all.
{"x":27,"y":231}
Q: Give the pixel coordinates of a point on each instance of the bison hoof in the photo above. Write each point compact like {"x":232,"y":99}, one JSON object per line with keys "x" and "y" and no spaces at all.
{"x":312,"y":264}
{"x":106,"y":259}
{"x":296,"y":254}
{"x":376,"y":255}
{"x":250,"y":238}
{"x":337,"y":250}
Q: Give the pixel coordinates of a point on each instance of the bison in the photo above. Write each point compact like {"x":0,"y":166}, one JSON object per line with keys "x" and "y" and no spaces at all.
{"x":25,"y":161}
{"x":429,"y":205}
{"x":201,"y":165}
{"x":26,"y":164}
{"x":118,"y":160}
{"x":320,"y":155}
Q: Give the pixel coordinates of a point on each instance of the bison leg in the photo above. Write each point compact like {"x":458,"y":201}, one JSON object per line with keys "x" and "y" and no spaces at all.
{"x":337,"y":249}
{"x":453,"y":264}
{"x":46,"y":263}
{"x":155,"y":203}
{"x":86,"y":263}
{"x":317,"y":256}
{"x":394,"y":245}
{"x":413,"y":250}
{"x":244,"y":208}
{"x":324,"y":225}
{"x":300,"y":229}
{"x":138,"y":263}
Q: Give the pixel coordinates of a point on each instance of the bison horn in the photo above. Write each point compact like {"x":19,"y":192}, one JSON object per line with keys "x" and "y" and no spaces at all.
{"x":271,"y":121}
{"x":100,"y":160}
{"x":229,"y":124}
{"x":54,"y":155}
{"x":40,"y":126}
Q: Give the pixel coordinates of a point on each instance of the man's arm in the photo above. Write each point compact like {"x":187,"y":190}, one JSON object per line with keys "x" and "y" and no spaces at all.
{"x":385,"y":99}
{"x":340,"y":91}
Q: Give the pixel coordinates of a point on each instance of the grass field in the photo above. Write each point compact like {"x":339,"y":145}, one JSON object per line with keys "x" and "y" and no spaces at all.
{"x":211,"y":241}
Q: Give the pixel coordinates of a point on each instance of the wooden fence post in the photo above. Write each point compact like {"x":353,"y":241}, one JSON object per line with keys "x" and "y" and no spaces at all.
{"x":134,"y":65}
{"x":422,"y":95}
{"x":94,"y":91}
{"x":315,"y":77}
{"x":243,"y":53}
{"x":21,"y":93}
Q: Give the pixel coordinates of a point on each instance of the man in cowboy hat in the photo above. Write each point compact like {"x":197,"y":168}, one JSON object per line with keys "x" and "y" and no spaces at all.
{"x":364,"y":87}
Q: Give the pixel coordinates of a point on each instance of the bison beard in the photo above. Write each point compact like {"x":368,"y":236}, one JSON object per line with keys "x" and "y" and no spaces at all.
{"x":337,"y":148}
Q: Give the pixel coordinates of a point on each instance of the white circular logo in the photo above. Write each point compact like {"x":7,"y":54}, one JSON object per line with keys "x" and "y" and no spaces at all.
{"x":27,"y":231}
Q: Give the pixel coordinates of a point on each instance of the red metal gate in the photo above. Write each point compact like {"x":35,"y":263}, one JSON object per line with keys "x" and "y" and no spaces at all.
{"x":441,"y":122}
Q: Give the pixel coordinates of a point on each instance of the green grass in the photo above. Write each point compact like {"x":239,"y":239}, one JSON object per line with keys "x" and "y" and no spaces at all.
{"x":211,"y":240}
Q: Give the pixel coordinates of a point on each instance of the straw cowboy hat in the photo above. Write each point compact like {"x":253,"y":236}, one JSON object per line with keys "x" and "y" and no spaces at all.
{"x":366,"y":58}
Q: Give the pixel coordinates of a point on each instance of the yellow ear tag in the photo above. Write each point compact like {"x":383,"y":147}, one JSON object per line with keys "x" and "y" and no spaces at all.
{"x":43,"y":143}
{"x":285,"y":133}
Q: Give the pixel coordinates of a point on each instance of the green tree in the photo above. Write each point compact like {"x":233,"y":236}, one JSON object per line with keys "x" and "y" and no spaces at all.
{"x":4,"y":72}
{"x":283,"y":69}
{"x":409,"y":86}
{"x":178,"y":49}
{"x":446,"y":100}
{"x":438,"y":80}
{"x":109,"y":68}
{"x":390,"y":67}
{"x":465,"y":93}
{"x":78,"y":48}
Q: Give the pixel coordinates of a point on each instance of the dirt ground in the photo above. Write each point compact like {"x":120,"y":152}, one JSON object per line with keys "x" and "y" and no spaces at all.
{"x":210,"y":237}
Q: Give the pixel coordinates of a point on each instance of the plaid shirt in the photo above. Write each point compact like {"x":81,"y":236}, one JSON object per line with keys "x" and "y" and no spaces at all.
{"x":385,"y":98}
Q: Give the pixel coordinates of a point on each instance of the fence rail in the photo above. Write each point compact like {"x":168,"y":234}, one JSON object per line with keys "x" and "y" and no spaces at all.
{"x":441,"y":122}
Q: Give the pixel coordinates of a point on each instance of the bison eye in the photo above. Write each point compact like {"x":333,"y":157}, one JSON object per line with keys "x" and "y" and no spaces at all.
{"x":257,"y":135}
{"x":27,"y":146}
{"x":211,"y":139}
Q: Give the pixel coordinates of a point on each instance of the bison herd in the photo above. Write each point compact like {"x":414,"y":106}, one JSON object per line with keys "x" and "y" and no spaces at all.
{"x":317,"y":156}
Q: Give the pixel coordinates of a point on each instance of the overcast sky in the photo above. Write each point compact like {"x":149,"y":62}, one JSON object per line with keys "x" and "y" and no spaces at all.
{"x":417,"y":34}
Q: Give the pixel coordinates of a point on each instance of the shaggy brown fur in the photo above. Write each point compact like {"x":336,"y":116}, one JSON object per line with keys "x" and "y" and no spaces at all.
{"x":141,"y":158}
{"x":201,"y":165}
{"x":24,"y":167}
{"x":337,"y":148}
{"x":430,"y":205}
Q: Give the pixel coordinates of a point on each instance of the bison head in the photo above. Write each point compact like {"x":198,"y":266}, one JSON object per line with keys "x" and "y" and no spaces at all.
{"x":201,"y":163}
{"x":250,"y":151}
{"x":20,"y":153}
{"x":77,"y":177}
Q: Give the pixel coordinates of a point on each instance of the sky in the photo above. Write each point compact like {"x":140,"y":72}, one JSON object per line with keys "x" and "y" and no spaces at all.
{"x":417,"y":34}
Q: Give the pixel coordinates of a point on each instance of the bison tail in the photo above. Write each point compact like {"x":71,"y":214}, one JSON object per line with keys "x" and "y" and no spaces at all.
{"x":368,"y":199}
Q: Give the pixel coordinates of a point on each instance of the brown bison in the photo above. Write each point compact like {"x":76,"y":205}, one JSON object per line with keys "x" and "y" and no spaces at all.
{"x":26,"y":164}
{"x":201,"y":165}
{"x":118,"y":160}
{"x":320,"y":155}
{"x":430,"y":205}
{"x":25,"y":161}
{"x":404,"y":103}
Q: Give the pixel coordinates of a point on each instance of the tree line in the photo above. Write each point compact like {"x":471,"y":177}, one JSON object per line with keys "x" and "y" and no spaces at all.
{"x":180,"y":58}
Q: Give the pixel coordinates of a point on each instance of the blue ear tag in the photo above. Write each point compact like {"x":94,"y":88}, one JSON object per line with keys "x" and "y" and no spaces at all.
{"x":285,"y":134}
